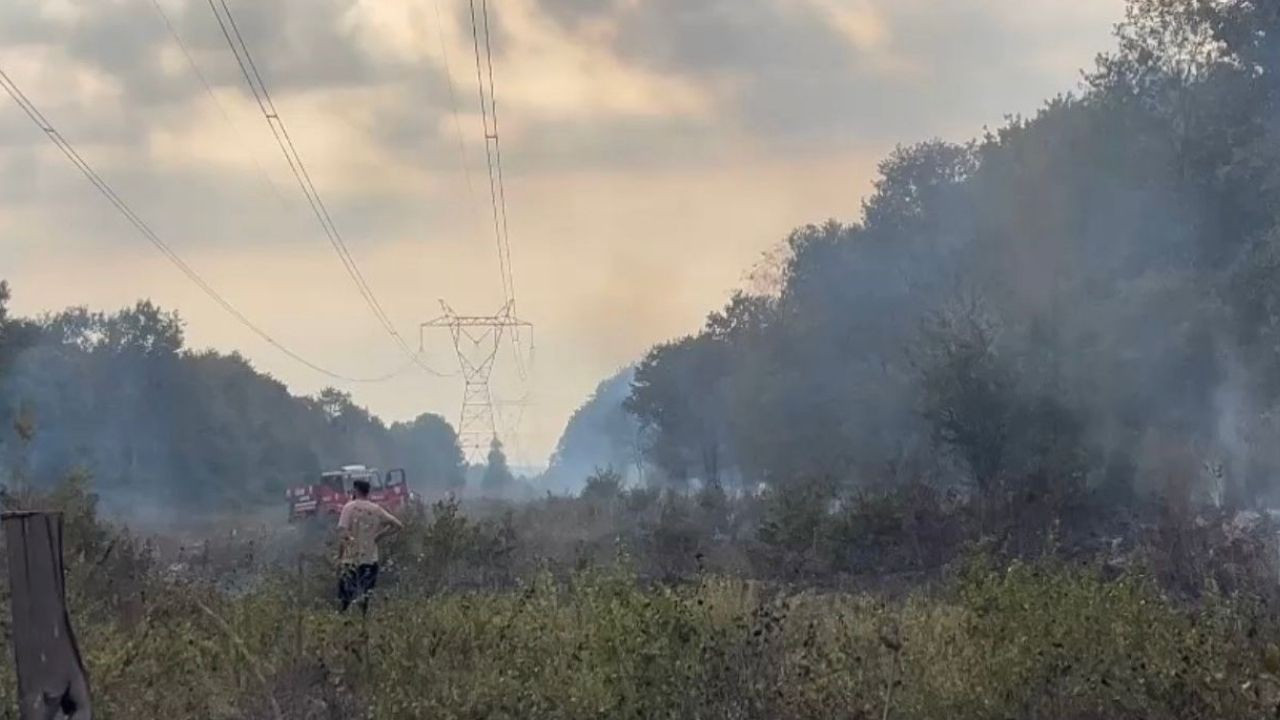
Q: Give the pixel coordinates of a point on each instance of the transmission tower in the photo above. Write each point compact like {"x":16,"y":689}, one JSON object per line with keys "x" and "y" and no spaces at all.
{"x":478,"y":338}
{"x":476,"y":342}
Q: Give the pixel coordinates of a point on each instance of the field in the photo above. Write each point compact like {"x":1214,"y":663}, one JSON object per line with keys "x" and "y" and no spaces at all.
{"x":459,"y":632}
{"x":1027,"y":643}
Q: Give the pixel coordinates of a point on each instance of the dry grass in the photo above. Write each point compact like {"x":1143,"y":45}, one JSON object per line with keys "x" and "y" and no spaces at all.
{"x":1029,"y":642}
{"x":1037,"y":640}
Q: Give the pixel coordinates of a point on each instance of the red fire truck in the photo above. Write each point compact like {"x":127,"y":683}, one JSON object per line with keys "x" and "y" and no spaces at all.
{"x":327,"y":496}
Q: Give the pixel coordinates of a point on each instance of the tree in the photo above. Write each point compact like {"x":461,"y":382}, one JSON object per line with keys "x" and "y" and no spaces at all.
{"x":914,"y":191}
{"x":141,"y":330}
{"x":497,"y":475}
{"x":160,"y":428}
{"x":603,"y":486}
{"x":5,"y":332}
{"x":144,"y":329}
{"x":599,"y":434}
{"x":677,"y":398}
{"x":1126,"y":240}
{"x":429,"y":448}
{"x":334,"y":403}
{"x":968,"y":390}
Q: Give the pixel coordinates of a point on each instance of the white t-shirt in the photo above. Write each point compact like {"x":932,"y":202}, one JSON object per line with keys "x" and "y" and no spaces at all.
{"x":360,"y":522}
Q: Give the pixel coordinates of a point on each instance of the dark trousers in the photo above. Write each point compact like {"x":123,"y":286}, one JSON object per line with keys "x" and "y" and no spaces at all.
{"x":355,"y":584}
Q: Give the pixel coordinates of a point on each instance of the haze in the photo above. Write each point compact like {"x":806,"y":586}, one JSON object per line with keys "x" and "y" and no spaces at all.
{"x":654,"y":149}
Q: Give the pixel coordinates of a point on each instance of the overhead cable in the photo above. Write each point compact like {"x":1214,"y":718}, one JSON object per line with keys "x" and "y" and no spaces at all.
{"x":165,"y":249}
{"x":222,"y":109}
{"x":457,"y":115}
{"x":493,"y":155}
{"x":492,"y":146}
{"x":249,"y":69}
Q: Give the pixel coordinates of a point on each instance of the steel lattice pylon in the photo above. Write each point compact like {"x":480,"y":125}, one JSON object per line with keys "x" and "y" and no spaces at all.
{"x":476,"y":341}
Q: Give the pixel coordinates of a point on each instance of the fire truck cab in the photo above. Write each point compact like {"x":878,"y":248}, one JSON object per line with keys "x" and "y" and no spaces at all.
{"x":334,"y":488}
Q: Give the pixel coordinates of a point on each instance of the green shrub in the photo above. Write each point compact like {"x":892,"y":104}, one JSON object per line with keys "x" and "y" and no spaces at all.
{"x":1031,"y":640}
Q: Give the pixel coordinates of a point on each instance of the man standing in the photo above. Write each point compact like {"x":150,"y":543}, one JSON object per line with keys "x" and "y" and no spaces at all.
{"x":361,"y":524}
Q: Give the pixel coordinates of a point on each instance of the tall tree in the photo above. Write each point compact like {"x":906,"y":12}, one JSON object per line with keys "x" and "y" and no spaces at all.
{"x":497,"y":477}
{"x":1125,"y":239}
{"x":5,"y":338}
{"x":968,"y":390}
{"x":430,"y":452}
{"x":160,"y":427}
{"x":600,"y":435}
{"x":676,"y":396}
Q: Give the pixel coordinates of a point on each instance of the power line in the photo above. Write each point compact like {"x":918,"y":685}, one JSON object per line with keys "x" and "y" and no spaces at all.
{"x":477,"y":338}
{"x":281,"y":133}
{"x":493,"y":155}
{"x":231,"y":31}
{"x":492,"y":147}
{"x":208,"y":89}
{"x":453,"y":104}
{"x":497,"y":151}
{"x":145,"y":230}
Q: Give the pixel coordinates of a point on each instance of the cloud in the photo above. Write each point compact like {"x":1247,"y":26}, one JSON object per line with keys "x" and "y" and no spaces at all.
{"x":809,"y":71}
{"x":582,"y":84}
{"x":652,"y":149}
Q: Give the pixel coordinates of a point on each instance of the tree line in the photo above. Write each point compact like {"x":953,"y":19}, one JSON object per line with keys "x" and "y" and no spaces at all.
{"x":162,"y":427}
{"x":1080,"y":304}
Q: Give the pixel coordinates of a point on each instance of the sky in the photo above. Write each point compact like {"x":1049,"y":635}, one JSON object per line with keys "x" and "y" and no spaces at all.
{"x":654,"y":151}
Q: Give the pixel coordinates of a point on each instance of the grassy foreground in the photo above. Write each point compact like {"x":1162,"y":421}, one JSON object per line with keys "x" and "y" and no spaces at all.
{"x":998,"y":639}
{"x":1025,"y":642}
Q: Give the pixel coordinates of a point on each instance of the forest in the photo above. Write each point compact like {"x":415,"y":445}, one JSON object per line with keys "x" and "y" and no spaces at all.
{"x":162,"y":429}
{"x":1063,"y":306}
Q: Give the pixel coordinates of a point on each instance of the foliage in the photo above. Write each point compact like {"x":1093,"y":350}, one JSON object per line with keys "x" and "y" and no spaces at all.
{"x":428,"y":448}
{"x":603,"y":486}
{"x":676,"y":396}
{"x":497,"y":474}
{"x":162,"y":428}
{"x":968,"y":392}
{"x":1035,"y":378}
{"x":1018,"y":313}
{"x":1039,"y":639}
{"x":446,"y":550}
{"x":599,"y":434}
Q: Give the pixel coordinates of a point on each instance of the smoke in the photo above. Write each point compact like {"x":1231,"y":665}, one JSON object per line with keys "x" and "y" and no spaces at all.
{"x":1084,"y":297}
{"x":600,"y":435}
{"x":165,"y":433}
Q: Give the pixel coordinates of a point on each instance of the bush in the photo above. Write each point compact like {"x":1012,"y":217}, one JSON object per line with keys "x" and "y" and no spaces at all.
{"x":465,"y":628}
{"x":1033,"y":641}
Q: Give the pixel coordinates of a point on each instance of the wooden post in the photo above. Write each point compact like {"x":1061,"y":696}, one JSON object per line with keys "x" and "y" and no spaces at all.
{"x":298,"y":612}
{"x":52,"y":682}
